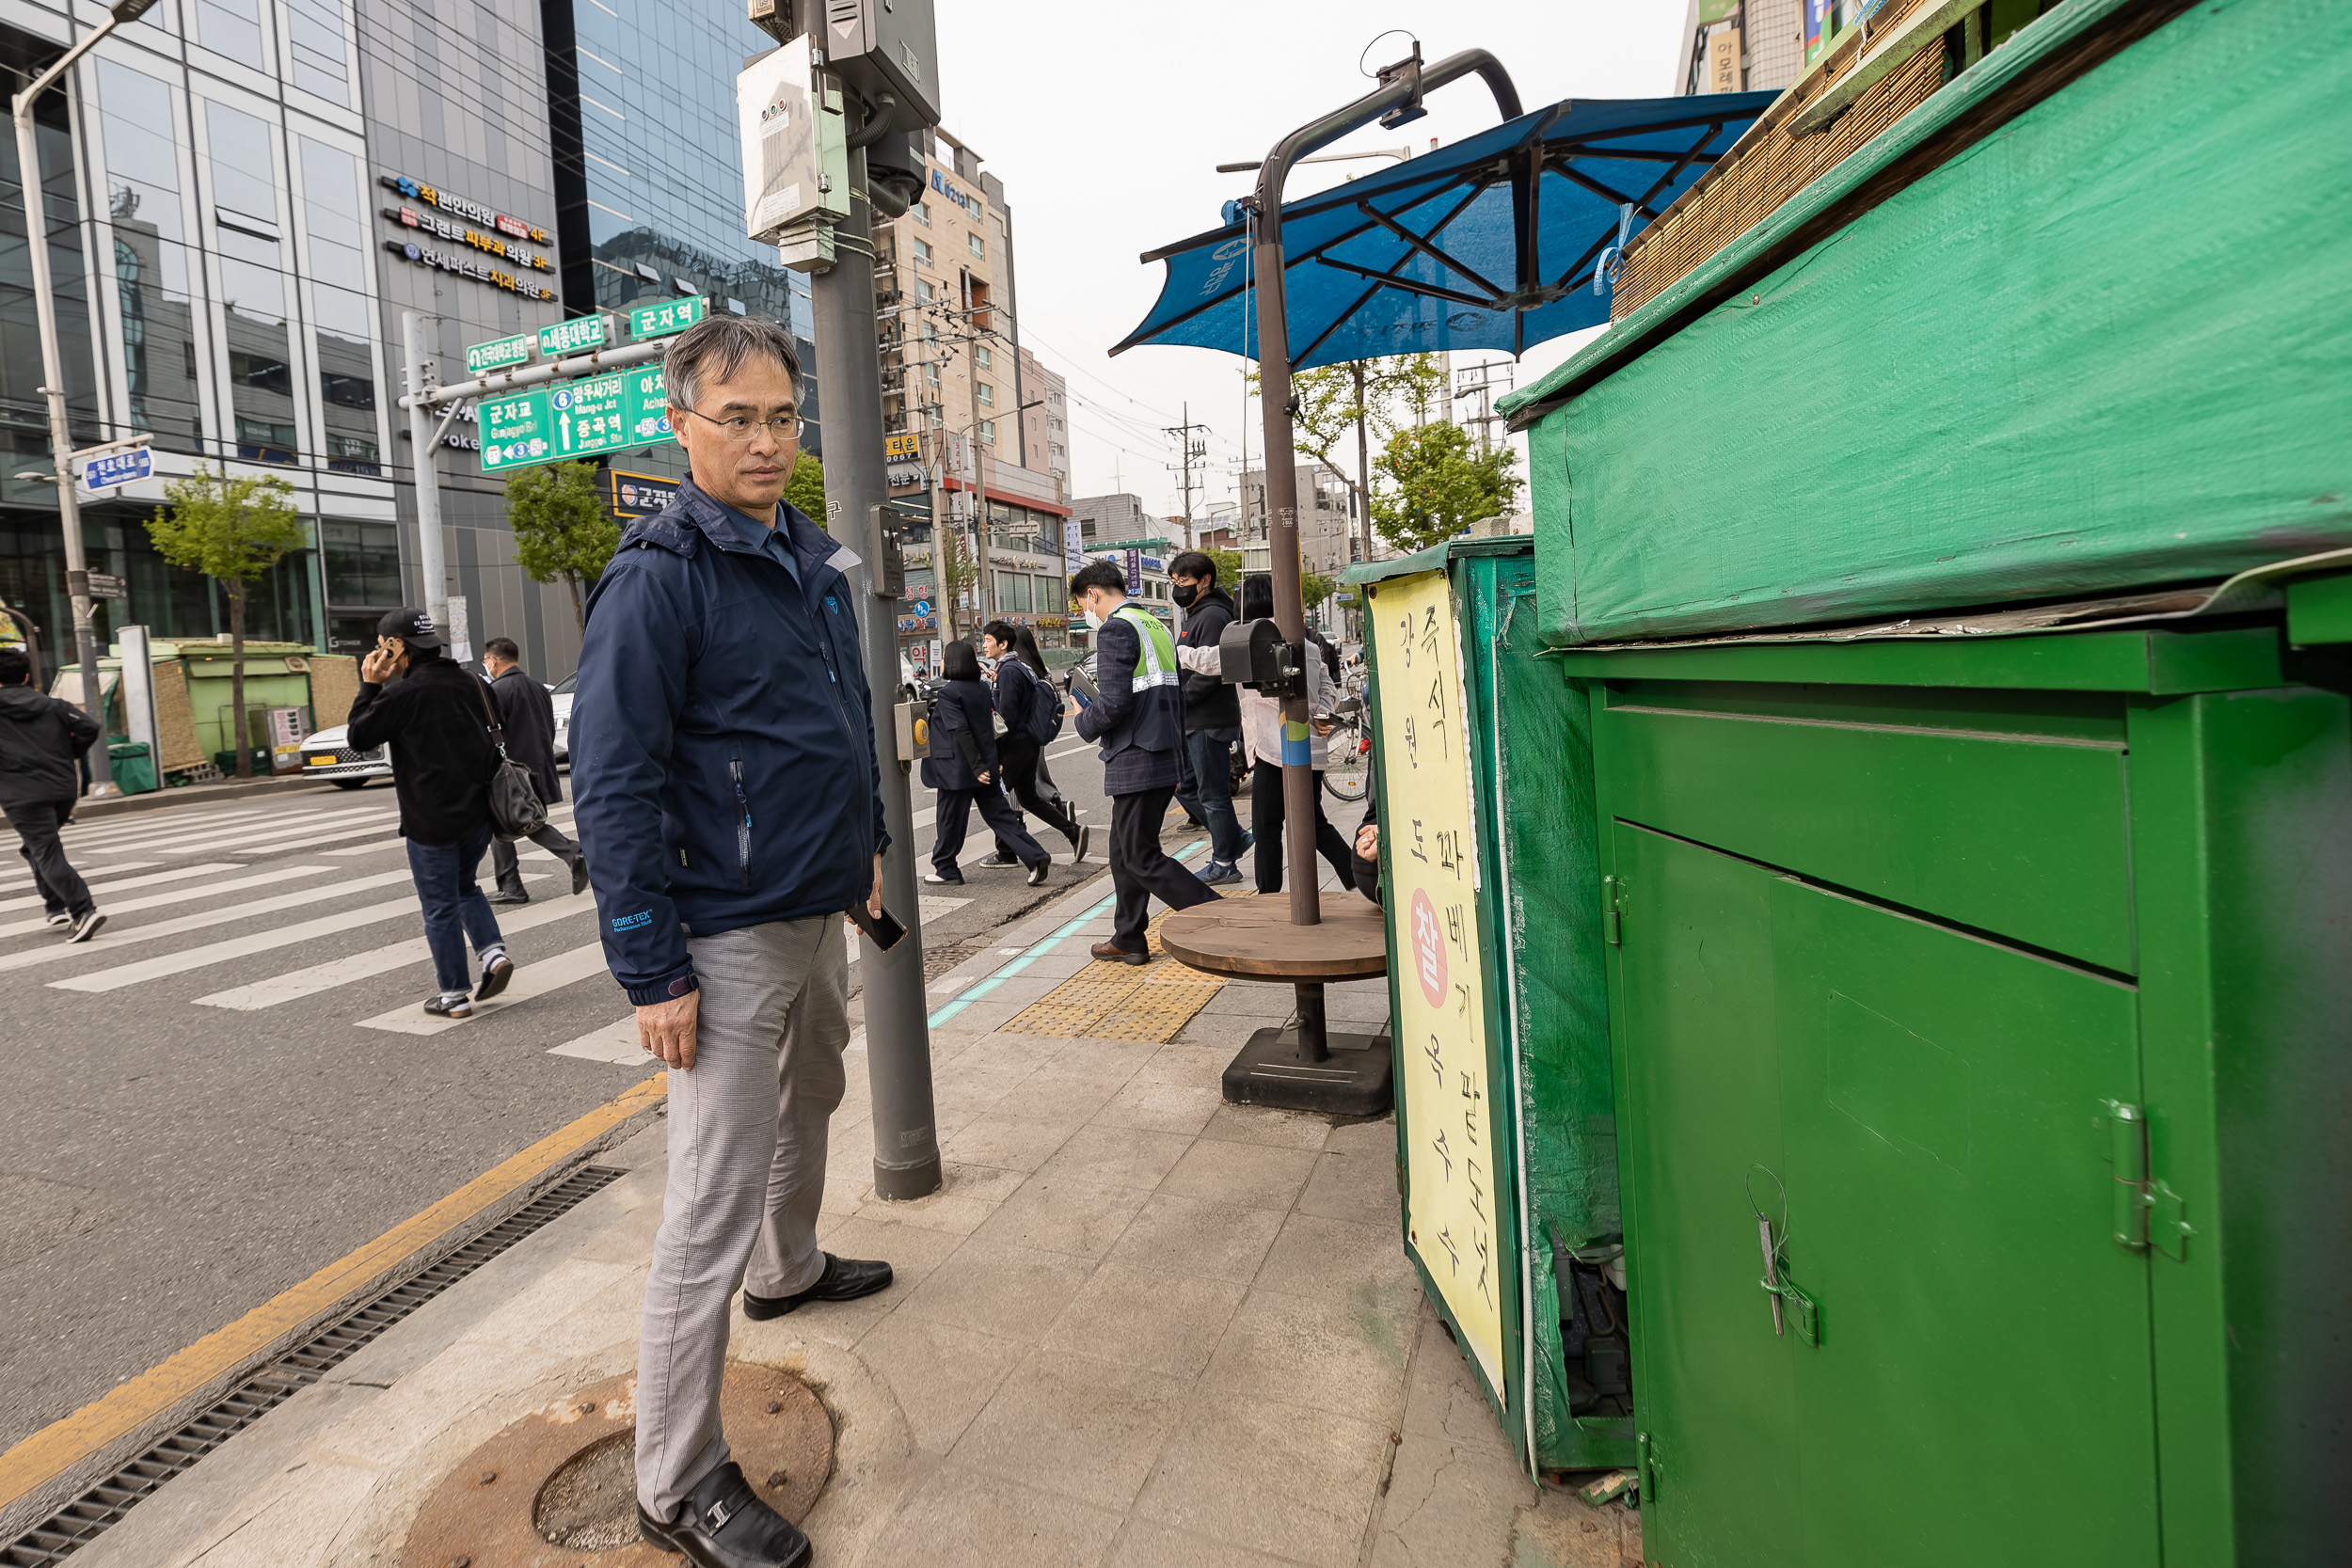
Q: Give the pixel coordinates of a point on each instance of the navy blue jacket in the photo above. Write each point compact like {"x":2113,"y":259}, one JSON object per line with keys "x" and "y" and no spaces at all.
{"x":722,"y":754}
{"x":963,"y":738}
{"x":1140,"y":728}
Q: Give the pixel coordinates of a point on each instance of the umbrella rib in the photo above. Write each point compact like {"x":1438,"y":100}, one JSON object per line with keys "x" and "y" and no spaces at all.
{"x":1409,"y":286}
{"x":1422,"y":246}
{"x":1616,"y":197}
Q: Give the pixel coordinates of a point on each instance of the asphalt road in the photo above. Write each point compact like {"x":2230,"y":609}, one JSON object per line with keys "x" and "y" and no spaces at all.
{"x":230,"y":1088}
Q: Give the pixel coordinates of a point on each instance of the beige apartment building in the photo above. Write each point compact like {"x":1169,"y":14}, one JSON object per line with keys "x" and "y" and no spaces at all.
{"x":980,"y":431}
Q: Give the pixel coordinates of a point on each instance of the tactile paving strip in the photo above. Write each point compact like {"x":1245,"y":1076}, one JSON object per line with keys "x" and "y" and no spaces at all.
{"x":1123,"y":1002}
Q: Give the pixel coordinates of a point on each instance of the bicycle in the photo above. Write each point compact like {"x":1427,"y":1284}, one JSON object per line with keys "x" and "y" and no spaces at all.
{"x":1349,"y":748}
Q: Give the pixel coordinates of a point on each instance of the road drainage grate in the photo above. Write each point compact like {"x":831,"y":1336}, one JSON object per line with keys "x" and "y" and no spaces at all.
{"x":82,"y":1521}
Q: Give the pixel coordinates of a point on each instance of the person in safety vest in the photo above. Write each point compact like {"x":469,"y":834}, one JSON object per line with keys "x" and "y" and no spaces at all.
{"x":1139,"y":718}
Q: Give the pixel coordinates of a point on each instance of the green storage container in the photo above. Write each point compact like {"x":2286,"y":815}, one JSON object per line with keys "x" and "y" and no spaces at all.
{"x":1538,"y":1092}
{"x":2006,"y":980}
{"x":2104,"y":342}
{"x":134,"y":769}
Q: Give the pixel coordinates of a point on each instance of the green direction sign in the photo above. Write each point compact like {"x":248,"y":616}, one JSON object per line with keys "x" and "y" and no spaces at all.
{"x":648,"y":408}
{"x":671,"y":315}
{"x":572,"y":336}
{"x":515,"y":431}
{"x":497,"y":353}
{"x":589,"y":415}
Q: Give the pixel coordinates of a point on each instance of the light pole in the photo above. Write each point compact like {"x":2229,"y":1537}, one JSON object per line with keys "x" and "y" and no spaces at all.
{"x":52,"y":377}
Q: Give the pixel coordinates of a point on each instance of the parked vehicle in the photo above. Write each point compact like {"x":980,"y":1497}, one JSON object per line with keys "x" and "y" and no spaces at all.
{"x":326,"y":754}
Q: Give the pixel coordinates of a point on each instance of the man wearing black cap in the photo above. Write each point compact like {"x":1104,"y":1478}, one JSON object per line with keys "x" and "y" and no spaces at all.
{"x":437,"y":722}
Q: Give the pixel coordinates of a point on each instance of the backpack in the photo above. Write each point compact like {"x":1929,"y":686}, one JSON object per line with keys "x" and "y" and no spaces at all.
{"x":1044,"y":722}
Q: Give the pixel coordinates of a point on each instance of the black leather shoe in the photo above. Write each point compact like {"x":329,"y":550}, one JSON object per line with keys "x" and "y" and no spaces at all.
{"x":844,"y":1280}
{"x":580,"y":877}
{"x":723,"y":1523}
{"x":503,"y":898}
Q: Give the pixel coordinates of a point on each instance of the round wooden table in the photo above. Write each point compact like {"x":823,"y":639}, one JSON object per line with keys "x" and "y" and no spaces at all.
{"x":1252,"y":938}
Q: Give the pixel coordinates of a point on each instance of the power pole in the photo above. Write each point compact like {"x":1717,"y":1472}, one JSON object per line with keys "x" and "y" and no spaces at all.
{"x":424,"y":452}
{"x":1363,"y":460}
{"x":897,"y":1028}
{"x":1483,"y":389}
{"x":1191,"y":449}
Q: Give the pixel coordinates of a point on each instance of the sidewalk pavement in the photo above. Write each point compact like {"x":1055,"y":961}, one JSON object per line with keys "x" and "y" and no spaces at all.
{"x":1137,"y":1326}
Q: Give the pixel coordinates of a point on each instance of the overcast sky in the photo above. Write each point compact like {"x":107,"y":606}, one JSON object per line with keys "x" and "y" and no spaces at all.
{"x":1106,"y":122}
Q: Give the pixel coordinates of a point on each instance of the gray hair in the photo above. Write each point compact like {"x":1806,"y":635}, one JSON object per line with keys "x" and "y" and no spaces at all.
{"x":715,"y":348}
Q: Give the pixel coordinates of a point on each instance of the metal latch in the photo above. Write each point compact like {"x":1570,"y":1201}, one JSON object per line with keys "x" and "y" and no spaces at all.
{"x":1612,"y":918}
{"x":2147,"y":1213}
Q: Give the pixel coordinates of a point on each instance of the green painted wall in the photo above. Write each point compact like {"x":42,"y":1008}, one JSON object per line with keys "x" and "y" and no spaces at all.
{"x":2108,"y":345}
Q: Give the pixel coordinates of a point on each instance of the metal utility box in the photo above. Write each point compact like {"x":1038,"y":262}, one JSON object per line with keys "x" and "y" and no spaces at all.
{"x":1983,"y":1048}
{"x":1505,"y":1112}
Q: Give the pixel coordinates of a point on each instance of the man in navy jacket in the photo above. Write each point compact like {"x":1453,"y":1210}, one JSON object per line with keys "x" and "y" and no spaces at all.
{"x":723,"y":767}
{"x":1139,"y":718}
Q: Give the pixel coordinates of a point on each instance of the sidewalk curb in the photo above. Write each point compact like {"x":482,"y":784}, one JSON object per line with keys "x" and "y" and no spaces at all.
{"x":49,"y":1468}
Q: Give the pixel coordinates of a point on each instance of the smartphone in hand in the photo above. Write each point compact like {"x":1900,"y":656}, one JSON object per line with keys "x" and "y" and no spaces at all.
{"x":884,"y":931}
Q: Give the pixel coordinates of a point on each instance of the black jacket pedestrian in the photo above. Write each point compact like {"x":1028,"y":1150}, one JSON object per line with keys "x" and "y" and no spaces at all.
{"x":438,"y":721}
{"x":41,"y":736}
{"x":1209,"y":703}
{"x":964,"y":737}
{"x":527,"y":713}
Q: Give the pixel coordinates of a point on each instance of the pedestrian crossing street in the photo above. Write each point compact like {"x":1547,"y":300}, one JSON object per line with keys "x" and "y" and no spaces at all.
{"x":192,"y":895}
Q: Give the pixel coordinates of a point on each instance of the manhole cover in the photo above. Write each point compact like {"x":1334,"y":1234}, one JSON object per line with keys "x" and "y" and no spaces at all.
{"x":558,"y":1489}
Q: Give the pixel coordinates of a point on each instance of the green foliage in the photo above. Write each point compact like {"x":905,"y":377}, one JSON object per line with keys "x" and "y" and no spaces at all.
{"x":230,"y":528}
{"x":1440,"y":485}
{"x":954,"y":570}
{"x":806,"y":488}
{"x":1399,"y":392}
{"x":1313,"y":588}
{"x":562,"y":531}
{"x":1227,"y":570}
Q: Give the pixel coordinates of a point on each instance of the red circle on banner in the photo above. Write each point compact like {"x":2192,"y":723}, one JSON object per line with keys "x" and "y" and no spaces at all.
{"x":1428,"y":948}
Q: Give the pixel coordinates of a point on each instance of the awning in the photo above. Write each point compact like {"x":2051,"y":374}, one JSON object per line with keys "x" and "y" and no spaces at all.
{"x":1489,"y":244}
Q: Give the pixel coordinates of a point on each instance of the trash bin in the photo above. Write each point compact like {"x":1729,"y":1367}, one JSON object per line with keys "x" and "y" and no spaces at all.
{"x":1506,"y":1102}
{"x":133,"y":767}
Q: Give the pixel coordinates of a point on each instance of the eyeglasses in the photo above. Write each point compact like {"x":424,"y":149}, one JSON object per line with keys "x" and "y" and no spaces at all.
{"x":740,"y":429}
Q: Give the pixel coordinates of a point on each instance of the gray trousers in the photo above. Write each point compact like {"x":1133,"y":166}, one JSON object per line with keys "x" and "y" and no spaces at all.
{"x":507,"y":868}
{"x":747,"y":1172}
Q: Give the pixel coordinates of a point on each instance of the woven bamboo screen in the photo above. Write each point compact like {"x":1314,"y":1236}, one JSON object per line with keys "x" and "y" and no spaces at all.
{"x":1770,"y":165}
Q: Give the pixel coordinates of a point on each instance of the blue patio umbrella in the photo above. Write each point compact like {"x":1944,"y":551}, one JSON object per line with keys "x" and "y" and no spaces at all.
{"x":1489,"y":244}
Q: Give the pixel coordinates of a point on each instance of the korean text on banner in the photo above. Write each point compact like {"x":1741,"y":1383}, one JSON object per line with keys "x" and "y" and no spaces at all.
{"x":1430,"y":866}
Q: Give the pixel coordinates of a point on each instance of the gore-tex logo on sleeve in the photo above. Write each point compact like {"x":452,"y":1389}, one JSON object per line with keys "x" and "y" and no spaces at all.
{"x":630,"y":922}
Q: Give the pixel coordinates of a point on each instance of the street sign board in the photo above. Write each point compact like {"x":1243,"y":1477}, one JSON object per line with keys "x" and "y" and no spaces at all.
{"x":515,"y":431}
{"x":105,"y":587}
{"x":1134,"y":573}
{"x":640,"y":495}
{"x":497,"y":354}
{"x":117,"y":467}
{"x":669,"y":315}
{"x":580,"y":332}
{"x":589,"y":415}
{"x":648,"y":408}
{"x":922,"y":607}
{"x":909,"y":445}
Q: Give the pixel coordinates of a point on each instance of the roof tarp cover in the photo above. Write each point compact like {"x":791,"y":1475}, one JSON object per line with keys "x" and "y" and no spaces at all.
{"x":1428,"y":255}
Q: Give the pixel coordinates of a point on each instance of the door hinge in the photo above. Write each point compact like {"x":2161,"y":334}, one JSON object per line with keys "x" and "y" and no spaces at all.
{"x":1612,"y":908}
{"x":2147,"y":1213}
{"x":1647,"y":1466}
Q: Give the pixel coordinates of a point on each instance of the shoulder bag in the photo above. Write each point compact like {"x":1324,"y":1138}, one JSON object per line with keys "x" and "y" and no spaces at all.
{"x":515,"y":811}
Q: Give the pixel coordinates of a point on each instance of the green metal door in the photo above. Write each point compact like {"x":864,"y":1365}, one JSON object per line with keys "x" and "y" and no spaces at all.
{"x":1701,"y":1075}
{"x":1952,"y":1211}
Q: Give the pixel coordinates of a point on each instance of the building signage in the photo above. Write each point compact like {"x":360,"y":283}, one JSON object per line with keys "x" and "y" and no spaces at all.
{"x":433,"y":196}
{"x":105,"y":587}
{"x":671,"y":315}
{"x":465,"y":267}
{"x":640,"y":495}
{"x":905,"y":476}
{"x":515,"y":432}
{"x":909,"y":445}
{"x":1134,"y":573}
{"x":571,"y":336}
{"x":457,"y":233}
{"x":1429,"y":878}
{"x":497,"y":354}
{"x":117,"y":467}
{"x":940,"y":183}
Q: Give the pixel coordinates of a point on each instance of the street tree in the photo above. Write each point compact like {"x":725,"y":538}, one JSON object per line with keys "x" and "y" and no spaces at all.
{"x":954,"y":571}
{"x":1440,"y":484}
{"x":233,"y":530}
{"x":562,"y":531}
{"x":805,"y":490}
{"x":1340,"y":405}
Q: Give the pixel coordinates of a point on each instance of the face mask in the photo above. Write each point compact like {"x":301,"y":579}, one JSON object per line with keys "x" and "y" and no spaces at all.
{"x":1093,"y":620}
{"x":1184,"y":594}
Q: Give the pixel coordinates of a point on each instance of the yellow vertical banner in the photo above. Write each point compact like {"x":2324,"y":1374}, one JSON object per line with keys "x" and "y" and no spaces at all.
{"x":1429,"y":876}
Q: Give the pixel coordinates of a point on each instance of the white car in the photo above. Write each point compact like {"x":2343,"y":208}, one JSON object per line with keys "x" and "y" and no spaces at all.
{"x":561,"y":694}
{"x":328,"y":755}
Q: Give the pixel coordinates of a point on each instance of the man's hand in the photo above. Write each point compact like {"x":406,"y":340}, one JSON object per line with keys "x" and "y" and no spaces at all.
{"x":982,"y":776}
{"x":379,"y":666}
{"x":667,"y":1029}
{"x":1368,"y":841}
{"x":873,"y":900}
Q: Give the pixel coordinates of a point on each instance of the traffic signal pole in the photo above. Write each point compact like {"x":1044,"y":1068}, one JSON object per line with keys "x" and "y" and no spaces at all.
{"x":897,"y":1026}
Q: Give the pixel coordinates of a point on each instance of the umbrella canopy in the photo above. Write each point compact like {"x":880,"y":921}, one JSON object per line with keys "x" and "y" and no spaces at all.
{"x":1490,"y":244}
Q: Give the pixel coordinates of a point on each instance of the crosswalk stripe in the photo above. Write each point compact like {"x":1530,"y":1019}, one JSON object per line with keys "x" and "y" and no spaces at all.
{"x":10,"y":884}
{"x":168,"y":829}
{"x":181,"y":895}
{"x":297,"y":984}
{"x":561,"y":818}
{"x":617,"y":1042}
{"x":102,"y":828}
{"x":110,"y":940}
{"x":531,"y":980}
{"x":123,"y":884}
{"x":333,"y":837}
{"x":275,"y":838}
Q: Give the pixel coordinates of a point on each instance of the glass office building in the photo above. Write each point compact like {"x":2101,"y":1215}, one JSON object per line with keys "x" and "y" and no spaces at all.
{"x":648,"y":174}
